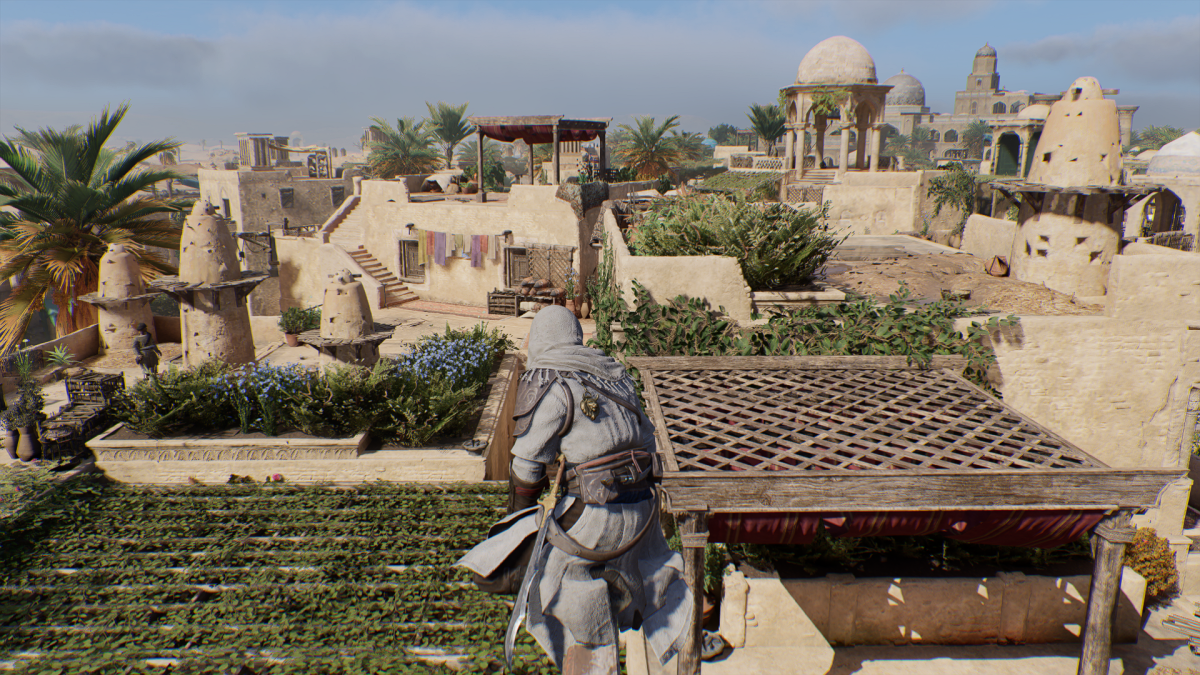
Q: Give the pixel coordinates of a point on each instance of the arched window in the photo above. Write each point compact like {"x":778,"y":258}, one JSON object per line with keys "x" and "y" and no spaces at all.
{"x":1016,"y":108}
{"x":974,"y":108}
{"x":951,"y":136}
{"x":998,"y":109}
{"x":934,"y":135}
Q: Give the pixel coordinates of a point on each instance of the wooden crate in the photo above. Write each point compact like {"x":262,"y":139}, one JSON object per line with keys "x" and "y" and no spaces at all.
{"x":503,"y":303}
{"x":94,"y":387}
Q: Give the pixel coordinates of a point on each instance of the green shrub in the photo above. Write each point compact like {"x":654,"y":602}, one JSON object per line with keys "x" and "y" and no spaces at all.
{"x":1150,"y":556}
{"x":774,"y":244}
{"x":178,"y":401}
{"x":295,"y":320}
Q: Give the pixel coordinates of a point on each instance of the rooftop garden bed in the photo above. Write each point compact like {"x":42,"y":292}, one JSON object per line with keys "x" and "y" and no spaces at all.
{"x":775,"y":245}
{"x":433,"y":391}
{"x":745,"y":183}
{"x":254,"y":578}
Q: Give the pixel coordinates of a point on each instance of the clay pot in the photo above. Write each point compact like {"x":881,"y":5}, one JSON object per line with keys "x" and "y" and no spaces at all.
{"x":470,"y":189}
{"x":573,"y":305}
{"x":28,"y":446}
{"x":292,"y":339}
{"x":11,"y":436}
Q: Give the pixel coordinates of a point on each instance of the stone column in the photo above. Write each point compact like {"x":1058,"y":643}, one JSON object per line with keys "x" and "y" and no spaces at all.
{"x":860,"y":149}
{"x":1022,"y":151}
{"x":789,"y":152}
{"x":819,"y":142}
{"x":874,"y":148}
{"x":844,"y":150}
{"x":603,"y":153}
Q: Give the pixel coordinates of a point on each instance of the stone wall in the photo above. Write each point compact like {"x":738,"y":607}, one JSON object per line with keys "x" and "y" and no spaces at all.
{"x":986,"y":237}
{"x":887,"y":202}
{"x":304,"y":268}
{"x":1150,"y":282}
{"x":717,"y":279}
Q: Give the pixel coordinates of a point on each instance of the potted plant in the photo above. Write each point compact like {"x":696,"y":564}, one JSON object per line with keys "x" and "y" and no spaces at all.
{"x":295,"y":321}
{"x":572,"y":283}
{"x":21,"y":418}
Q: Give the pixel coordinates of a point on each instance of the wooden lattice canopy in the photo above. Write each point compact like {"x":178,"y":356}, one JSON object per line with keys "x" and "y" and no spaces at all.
{"x":862,"y":433}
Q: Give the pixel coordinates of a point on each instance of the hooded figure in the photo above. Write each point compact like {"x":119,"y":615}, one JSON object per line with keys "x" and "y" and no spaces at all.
{"x":605,"y":565}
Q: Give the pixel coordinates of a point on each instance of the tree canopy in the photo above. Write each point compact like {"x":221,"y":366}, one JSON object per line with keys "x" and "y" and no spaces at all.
{"x":974,"y":138}
{"x":73,"y":199}
{"x":404,"y":150}
{"x":647,"y":149}
{"x":768,"y":122}
{"x":449,"y":125}
{"x":723,"y":134}
{"x":1154,"y":137}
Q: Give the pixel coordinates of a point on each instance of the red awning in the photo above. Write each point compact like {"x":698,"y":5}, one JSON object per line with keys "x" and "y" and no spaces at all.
{"x":534,"y":134}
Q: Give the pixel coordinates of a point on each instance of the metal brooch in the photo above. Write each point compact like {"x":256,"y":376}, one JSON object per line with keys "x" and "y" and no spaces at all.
{"x":589,"y":405}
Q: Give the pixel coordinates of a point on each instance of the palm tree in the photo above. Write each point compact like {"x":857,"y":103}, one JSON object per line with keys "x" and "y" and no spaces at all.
{"x":74,"y":199}
{"x":689,"y":144}
{"x":647,"y":149}
{"x":1154,"y":137}
{"x":768,"y":122}
{"x":974,"y":138}
{"x":405,"y":150}
{"x":723,"y":134}
{"x":449,"y":126}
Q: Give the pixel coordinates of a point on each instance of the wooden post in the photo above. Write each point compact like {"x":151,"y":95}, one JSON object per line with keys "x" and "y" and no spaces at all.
{"x":603,"y":155}
{"x":554,"y":127}
{"x":1112,"y":534}
{"x":479,"y":166}
{"x":532,"y":175}
{"x":693,"y":532}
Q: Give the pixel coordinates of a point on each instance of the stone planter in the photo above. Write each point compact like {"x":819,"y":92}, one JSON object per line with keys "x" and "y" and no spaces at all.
{"x":311,"y":460}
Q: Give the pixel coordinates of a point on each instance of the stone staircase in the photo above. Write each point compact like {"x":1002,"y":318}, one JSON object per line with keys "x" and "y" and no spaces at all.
{"x":396,"y":293}
{"x":816,"y":177}
{"x":349,"y":233}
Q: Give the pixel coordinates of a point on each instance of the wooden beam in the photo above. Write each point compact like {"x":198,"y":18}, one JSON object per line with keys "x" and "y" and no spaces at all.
{"x":693,"y":533}
{"x":557,"y":169}
{"x":957,"y":363}
{"x":479,"y":163}
{"x":916,"y":490}
{"x":1112,"y":534}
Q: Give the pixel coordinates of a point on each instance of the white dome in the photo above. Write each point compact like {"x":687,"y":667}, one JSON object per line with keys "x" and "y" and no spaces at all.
{"x":1181,"y":155}
{"x":1037,"y":111}
{"x":837,"y":60}
{"x":906,"y":90}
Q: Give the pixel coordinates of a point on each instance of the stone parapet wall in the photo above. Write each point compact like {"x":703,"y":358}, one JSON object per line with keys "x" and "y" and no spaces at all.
{"x":1154,"y":283}
{"x":716,"y":279}
{"x":985,"y":237}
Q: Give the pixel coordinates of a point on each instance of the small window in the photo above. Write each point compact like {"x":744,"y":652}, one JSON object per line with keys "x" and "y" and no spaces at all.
{"x":338,"y":194}
{"x":974,"y":108}
{"x":999,"y":109}
{"x":951,"y":136}
{"x":412,"y":268}
{"x":516,"y":266}
{"x":1016,"y":108}
{"x":225,"y":209}
{"x":287,"y":197}
{"x":934,"y":135}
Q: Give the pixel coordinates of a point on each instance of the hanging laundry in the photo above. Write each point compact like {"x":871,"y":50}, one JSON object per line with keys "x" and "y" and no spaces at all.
{"x":468,"y":239}
{"x":476,"y":250}
{"x":428,"y":247}
{"x":483,"y":246}
{"x":458,"y":245}
{"x":439,"y":248}
{"x":496,"y":248}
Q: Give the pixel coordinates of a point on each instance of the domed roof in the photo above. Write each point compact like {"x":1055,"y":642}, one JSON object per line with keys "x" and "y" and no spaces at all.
{"x":1181,"y":155}
{"x":837,"y":60}
{"x":986,"y":50}
{"x":1037,"y":111}
{"x":906,"y":90}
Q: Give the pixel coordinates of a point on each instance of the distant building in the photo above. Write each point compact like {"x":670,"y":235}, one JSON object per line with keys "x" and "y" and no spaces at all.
{"x":1014,"y":116}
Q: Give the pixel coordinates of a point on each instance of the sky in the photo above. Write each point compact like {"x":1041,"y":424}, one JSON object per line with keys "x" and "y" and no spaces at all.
{"x":205,"y":70}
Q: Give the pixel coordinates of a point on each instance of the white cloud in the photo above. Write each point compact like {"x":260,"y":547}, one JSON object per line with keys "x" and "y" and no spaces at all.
{"x":1158,"y":51}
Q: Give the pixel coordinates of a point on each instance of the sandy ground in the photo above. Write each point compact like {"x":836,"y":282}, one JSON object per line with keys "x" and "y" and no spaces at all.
{"x":876,"y":266}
